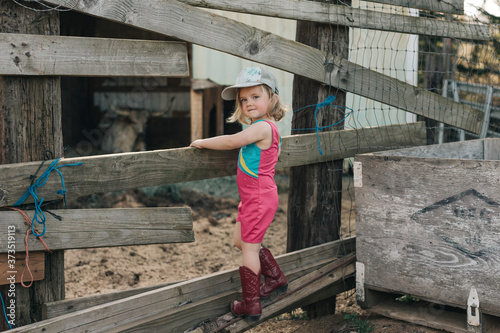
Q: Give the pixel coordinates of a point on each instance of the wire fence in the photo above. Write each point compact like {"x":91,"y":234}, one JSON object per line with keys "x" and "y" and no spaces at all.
{"x":462,"y":74}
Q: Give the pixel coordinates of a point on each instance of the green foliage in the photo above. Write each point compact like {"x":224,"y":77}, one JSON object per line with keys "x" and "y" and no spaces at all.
{"x":361,"y":326}
{"x":407,"y":299}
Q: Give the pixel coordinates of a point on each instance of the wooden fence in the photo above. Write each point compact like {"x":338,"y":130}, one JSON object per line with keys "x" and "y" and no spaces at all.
{"x":179,"y":306}
{"x":97,"y":228}
{"x":185,"y":22}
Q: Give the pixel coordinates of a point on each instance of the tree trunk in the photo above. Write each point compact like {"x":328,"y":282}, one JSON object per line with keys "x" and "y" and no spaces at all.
{"x":30,"y":123}
{"x":314,"y":204}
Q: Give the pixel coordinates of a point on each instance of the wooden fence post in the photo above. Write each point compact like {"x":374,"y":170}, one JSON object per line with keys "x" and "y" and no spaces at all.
{"x":30,"y":123}
{"x":315,"y":190}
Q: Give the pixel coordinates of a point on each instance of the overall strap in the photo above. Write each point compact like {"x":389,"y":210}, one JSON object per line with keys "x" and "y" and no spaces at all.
{"x":274,"y":129}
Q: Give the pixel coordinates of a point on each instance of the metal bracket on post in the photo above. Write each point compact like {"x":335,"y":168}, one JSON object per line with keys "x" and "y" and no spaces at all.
{"x":358,"y":174}
{"x":360,"y":281}
{"x":473,"y":313}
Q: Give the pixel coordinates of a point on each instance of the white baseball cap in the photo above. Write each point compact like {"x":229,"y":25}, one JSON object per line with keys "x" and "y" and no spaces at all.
{"x":249,"y":77}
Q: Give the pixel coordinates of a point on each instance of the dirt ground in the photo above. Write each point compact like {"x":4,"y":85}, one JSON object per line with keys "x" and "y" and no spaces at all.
{"x":104,"y":270}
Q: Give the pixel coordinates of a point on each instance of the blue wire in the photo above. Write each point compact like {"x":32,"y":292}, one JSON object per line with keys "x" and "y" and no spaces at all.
{"x":329,"y":100}
{"x":39,"y":216}
{"x":5,"y":311}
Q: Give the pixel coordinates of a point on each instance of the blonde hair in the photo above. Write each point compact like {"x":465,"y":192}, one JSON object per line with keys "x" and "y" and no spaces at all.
{"x":276,"y":109}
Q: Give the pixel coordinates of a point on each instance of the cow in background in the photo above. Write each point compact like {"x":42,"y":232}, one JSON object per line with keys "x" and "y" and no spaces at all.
{"x":127,"y":127}
{"x":126,"y":132}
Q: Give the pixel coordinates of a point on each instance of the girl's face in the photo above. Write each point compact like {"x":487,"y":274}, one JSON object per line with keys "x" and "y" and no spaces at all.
{"x":254,"y":102}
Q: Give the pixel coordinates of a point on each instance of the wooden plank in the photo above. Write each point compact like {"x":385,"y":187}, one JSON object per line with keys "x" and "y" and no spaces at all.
{"x":13,"y":265}
{"x":214,"y":306}
{"x":431,"y":315}
{"x":22,"y":54}
{"x":220,"y":33}
{"x":196,"y":98}
{"x":205,"y":98}
{"x":479,"y":149}
{"x":213,"y":110}
{"x":491,"y":149}
{"x":449,"y":6}
{"x":219,"y":109}
{"x":351,"y":17}
{"x":316,"y":283}
{"x":470,"y":149}
{"x":294,"y":265}
{"x":113,"y":172}
{"x":114,"y":315}
{"x":435,"y":221}
{"x":201,"y":84}
{"x":30,"y":124}
{"x":347,"y":75}
{"x":207,"y":104}
{"x":87,"y":228}
{"x":59,"y":308}
{"x":184,"y":318}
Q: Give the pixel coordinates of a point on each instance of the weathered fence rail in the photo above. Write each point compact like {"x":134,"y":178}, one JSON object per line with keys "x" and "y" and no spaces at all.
{"x":451,"y":6}
{"x":175,"y":306}
{"x":88,"y":228}
{"x":352,"y":17}
{"x":22,"y":54}
{"x":200,"y":27}
{"x":294,"y":264}
{"x":160,"y":167}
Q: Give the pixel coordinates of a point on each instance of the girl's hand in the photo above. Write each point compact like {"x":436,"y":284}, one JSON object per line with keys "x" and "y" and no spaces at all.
{"x":196,"y":143}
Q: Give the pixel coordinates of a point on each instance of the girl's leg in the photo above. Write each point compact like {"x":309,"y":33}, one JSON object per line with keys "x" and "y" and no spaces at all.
{"x":251,"y":256}
{"x":250,"y":279}
{"x":237,"y":235}
{"x":250,"y":250}
{"x":274,"y":277}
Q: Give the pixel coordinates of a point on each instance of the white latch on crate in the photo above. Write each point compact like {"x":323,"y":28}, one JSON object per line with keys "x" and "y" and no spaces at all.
{"x":473,"y":313}
{"x":360,"y":281}
{"x":358,"y":174}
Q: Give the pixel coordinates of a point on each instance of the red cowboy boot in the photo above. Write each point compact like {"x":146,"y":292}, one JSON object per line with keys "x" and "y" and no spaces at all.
{"x":274,"y":277}
{"x":250,"y":305}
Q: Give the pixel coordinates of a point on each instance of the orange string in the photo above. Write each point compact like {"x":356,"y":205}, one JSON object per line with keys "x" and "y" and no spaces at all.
{"x":28,"y":223}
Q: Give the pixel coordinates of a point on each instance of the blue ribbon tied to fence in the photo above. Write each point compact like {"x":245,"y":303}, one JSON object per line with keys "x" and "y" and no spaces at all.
{"x":328,"y":101}
{"x":39,"y":216}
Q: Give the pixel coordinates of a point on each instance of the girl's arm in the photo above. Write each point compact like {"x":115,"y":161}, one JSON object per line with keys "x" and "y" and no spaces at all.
{"x":253,"y":133}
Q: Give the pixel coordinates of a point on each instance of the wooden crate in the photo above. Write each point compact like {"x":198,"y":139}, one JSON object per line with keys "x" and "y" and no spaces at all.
{"x":428,"y":222}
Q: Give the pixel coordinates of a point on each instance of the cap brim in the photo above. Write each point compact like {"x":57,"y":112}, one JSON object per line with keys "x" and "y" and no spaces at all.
{"x":229,"y":93}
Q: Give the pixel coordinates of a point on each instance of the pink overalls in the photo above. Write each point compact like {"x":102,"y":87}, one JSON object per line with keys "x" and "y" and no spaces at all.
{"x":258,"y":191}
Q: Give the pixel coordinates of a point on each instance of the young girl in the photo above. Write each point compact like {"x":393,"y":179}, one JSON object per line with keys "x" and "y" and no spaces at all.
{"x":257,"y":105}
